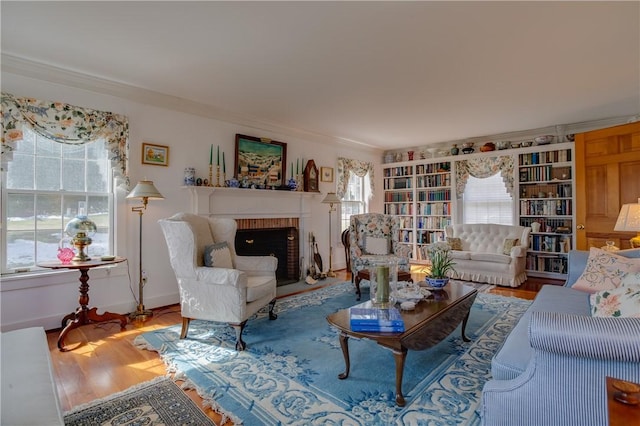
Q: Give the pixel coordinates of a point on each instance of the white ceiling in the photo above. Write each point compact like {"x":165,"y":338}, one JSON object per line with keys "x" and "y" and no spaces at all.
{"x":382,"y":74}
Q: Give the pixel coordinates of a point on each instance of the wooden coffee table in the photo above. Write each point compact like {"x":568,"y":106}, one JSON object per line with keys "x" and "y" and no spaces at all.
{"x":365,"y":275}
{"x":429,"y":323}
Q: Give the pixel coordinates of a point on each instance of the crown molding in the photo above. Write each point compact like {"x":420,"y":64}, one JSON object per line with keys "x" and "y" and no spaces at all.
{"x":40,"y":71}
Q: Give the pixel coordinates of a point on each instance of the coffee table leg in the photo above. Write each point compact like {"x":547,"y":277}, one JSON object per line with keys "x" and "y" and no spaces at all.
{"x":464,"y":326}
{"x":399,"y":357}
{"x":344,"y":344}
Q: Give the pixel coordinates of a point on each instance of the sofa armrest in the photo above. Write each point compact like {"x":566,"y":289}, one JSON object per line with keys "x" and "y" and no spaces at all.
{"x":518,"y":251}
{"x":221,"y":276}
{"x":586,"y":337}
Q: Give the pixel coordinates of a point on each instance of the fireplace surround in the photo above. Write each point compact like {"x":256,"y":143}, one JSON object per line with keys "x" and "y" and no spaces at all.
{"x":276,"y":221}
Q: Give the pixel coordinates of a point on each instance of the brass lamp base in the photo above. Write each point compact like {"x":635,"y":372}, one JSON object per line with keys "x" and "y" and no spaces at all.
{"x":330,"y":273}
{"x":635,"y":241}
{"x":141,"y":314}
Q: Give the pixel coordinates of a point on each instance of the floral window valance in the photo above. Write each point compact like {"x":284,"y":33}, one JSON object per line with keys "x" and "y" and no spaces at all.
{"x":67,"y":124}
{"x":346,"y":166}
{"x":484,"y":168}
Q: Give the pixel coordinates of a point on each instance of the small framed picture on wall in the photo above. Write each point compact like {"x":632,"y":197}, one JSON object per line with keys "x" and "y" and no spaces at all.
{"x":157,"y":155}
{"x":326,"y":174}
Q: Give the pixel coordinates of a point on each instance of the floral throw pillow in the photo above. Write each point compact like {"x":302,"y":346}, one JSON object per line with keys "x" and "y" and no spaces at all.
{"x":605,"y":271}
{"x":218,"y":256}
{"x":509,"y":243}
{"x":454,"y":243}
{"x":620,"y":302}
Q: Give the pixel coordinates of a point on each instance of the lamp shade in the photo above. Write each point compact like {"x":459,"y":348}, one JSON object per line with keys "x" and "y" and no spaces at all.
{"x":629,"y":218}
{"x":145,"y":189}
{"x":331,"y":198}
{"x":80,"y":224}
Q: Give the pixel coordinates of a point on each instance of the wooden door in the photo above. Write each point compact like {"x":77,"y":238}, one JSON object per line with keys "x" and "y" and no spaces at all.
{"x":607,"y":175}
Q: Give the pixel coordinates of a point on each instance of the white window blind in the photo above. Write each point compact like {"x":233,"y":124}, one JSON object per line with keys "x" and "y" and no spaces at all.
{"x":487,"y":201}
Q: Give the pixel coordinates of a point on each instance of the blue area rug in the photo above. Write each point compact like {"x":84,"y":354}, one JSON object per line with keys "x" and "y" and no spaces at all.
{"x":289,"y":371}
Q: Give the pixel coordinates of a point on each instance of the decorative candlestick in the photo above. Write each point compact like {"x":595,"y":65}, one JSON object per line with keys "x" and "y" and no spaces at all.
{"x":300,"y":183}
{"x":224,"y":179}
{"x":210,"y":175}
{"x":217,"y":176}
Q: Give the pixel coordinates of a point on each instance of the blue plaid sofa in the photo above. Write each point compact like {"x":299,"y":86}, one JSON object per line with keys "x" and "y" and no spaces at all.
{"x":552,"y":368}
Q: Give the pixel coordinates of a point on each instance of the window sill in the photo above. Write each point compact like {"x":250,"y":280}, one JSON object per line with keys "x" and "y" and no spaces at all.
{"x":45,"y":278}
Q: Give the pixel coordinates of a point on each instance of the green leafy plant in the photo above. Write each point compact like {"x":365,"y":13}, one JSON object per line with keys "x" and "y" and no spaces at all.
{"x":440,"y":257}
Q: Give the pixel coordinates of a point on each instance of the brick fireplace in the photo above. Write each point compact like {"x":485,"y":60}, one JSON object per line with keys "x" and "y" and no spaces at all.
{"x":262,"y":216}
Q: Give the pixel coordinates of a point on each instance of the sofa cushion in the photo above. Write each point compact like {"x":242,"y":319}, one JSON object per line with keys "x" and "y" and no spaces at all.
{"x":259,"y":286}
{"x":491,"y":257}
{"x":218,"y":256}
{"x":620,"y":302}
{"x":605,"y":271}
{"x":460,"y":255}
{"x":514,"y":355}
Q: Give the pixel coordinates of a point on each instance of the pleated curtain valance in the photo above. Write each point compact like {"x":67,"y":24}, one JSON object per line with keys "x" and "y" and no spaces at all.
{"x":66,"y":124}
{"x":346,"y":166}
{"x":484,"y":168}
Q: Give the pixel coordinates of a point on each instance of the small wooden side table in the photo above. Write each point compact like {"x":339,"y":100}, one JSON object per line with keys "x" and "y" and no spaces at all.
{"x":83,"y":315}
{"x":621,"y":414}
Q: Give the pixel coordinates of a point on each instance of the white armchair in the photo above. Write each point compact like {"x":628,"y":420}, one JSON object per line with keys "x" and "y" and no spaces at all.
{"x":220,"y":294}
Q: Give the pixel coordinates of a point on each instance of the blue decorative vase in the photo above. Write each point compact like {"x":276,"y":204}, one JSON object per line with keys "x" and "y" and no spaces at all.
{"x":292,"y":184}
{"x":437,"y":282}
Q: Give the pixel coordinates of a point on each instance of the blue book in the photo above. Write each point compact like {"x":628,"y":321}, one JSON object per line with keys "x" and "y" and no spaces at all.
{"x":375,"y":317}
{"x":378,"y":328}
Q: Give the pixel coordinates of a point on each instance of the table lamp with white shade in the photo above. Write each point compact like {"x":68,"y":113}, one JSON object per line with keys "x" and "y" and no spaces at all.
{"x":629,"y":220}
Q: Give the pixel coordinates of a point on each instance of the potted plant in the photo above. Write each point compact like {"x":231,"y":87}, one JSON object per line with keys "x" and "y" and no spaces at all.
{"x":441,"y":264}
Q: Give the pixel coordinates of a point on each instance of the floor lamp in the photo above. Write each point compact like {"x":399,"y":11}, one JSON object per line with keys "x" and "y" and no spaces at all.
{"x":331,"y":199}
{"x":629,"y":221}
{"x":144,"y":190}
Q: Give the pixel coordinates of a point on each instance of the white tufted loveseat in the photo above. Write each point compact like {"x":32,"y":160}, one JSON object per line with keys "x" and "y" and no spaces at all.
{"x":482,"y":258}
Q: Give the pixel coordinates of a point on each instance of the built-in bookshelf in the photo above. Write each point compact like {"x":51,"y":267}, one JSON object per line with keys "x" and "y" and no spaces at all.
{"x":420,"y":194}
{"x":545,"y":183}
{"x":433,"y":202}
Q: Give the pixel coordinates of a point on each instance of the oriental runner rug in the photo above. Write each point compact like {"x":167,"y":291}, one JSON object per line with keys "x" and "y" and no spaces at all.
{"x":158,"y":402}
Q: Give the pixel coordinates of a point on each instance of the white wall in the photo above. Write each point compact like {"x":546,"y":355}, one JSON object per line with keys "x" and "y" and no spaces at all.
{"x":28,"y":301}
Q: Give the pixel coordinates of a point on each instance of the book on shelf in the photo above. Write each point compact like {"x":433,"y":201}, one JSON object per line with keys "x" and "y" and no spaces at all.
{"x":375,"y":319}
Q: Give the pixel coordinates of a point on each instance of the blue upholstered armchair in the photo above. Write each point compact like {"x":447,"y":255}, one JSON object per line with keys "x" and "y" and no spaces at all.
{"x":372,"y":235}
{"x":552,"y":368}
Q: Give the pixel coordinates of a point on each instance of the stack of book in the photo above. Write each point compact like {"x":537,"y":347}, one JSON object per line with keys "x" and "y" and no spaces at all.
{"x":386,"y":320}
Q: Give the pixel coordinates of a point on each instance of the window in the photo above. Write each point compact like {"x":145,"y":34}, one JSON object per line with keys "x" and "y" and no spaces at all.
{"x":487,"y":201}
{"x":355,"y":198}
{"x":47,"y":184}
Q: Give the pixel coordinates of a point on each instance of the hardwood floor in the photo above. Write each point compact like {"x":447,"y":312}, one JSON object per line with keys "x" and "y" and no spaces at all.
{"x":105,"y":361}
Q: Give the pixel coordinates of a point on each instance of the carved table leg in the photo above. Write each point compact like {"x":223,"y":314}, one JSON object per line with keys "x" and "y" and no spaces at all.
{"x":358,"y":292}
{"x":399,"y":357}
{"x":83,"y":315}
{"x":344,"y":344}
{"x":464,"y":326}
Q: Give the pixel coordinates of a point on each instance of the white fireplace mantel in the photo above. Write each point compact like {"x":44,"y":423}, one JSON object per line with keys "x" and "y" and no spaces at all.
{"x":249,"y":203}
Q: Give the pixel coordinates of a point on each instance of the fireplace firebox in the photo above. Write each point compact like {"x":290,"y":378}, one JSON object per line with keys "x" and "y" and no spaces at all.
{"x":283,"y":243}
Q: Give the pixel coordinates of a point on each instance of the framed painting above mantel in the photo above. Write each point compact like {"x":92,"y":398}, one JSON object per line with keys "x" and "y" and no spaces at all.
{"x":260,"y":162}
